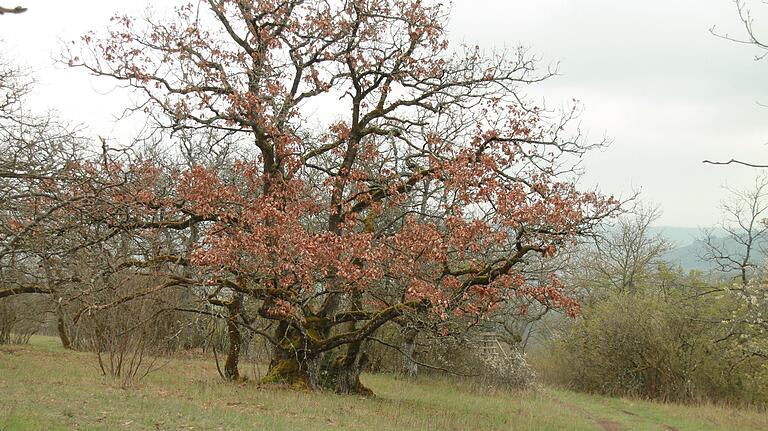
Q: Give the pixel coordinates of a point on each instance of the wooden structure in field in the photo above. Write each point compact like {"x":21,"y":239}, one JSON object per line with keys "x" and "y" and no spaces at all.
{"x":490,"y":347}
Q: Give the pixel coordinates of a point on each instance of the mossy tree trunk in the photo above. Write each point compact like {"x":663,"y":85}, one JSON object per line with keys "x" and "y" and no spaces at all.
{"x":299,"y":349}
{"x":298,"y":372}
{"x":347,"y":369}
{"x":294,"y":362}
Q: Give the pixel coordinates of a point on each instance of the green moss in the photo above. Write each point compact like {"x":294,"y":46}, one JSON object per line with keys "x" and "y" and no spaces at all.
{"x":287,"y":371}
{"x":316,"y":328}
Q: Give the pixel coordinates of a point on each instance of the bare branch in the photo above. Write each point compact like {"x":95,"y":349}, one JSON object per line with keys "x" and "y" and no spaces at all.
{"x":734,"y":161}
{"x":17,"y":9}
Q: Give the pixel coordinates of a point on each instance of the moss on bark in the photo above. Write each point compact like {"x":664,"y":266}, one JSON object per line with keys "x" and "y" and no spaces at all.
{"x":289,"y":372}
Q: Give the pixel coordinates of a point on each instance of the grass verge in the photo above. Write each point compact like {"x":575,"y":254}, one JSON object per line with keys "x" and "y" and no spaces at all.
{"x":45,"y":387}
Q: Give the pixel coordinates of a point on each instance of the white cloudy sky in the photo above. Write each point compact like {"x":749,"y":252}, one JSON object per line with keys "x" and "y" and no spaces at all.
{"x":648,"y":73}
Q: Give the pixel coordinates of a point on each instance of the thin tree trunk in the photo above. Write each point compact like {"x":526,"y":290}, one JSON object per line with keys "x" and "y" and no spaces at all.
{"x":61,"y":326}
{"x":234,"y":308}
{"x":410,"y":367}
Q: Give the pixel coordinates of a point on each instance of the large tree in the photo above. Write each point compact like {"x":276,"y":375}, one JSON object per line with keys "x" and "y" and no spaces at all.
{"x":387,"y":174}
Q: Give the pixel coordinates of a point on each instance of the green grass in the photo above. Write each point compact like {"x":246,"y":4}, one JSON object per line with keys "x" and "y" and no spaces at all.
{"x":43,"y":387}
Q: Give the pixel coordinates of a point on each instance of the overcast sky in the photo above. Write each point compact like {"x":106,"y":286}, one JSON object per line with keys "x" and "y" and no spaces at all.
{"x":648,"y":73}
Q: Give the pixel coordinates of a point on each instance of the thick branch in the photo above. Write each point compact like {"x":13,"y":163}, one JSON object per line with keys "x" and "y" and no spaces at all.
{"x":370,"y":327}
{"x":17,"y":9}
{"x":32,"y":288}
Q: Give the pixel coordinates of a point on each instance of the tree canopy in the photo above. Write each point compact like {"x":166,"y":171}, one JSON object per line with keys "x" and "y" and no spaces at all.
{"x":327,"y":166}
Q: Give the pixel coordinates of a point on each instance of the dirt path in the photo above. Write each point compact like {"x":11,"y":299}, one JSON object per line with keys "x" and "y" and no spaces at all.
{"x":608,"y":425}
{"x":605,"y":424}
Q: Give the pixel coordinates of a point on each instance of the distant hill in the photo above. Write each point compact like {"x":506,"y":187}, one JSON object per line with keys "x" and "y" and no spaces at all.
{"x":689,"y":247}
{"x":689,"y":257}
{"x":679,"y":236}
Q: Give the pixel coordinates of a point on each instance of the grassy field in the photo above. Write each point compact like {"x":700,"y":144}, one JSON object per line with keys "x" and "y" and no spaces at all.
{"x":43,"y":387}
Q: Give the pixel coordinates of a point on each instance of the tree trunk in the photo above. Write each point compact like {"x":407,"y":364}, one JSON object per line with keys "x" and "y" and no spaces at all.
{"x":347,"y":369}
{"x":289,"y":370}
{"x":293,"y":361}
{"x":62,"y":328}
{"x":290,"y":364}
{"x":234,"y":308}
{"x":410,"y":367}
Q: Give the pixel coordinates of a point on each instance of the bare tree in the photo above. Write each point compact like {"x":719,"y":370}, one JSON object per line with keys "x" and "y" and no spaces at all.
{"x":623,"y":255}
{"x":36,"y":153}
{"x":744,"y":213}
{"x":752,"y":37}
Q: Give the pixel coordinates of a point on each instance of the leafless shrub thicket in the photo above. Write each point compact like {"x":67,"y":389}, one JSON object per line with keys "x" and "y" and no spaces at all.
{"x":131,"y":339}
{"x":21,"y":317}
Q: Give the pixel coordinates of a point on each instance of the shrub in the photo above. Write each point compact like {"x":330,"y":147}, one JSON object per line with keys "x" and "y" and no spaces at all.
{"x":650,"y":346}
{"x":127,"y":339}
{"x":21,"y":316}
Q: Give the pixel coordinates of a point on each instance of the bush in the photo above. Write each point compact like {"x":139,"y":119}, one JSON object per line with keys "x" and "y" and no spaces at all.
{"x":130,"y":337}
{"x":649,"y":346}
{"x":127,"y":339}
{"x":21,"y":316}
